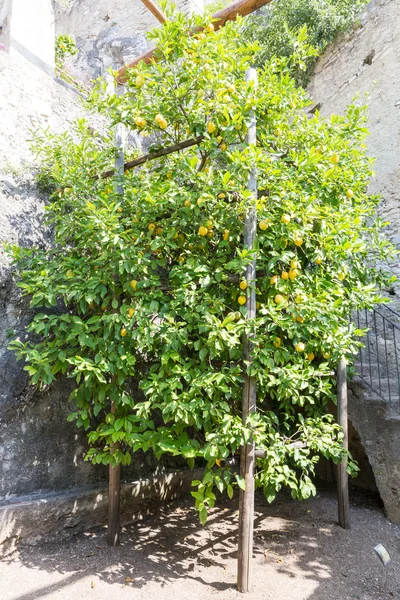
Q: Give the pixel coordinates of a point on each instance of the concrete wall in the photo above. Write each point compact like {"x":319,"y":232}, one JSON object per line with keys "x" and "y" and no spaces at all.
{"x":28,"y":30}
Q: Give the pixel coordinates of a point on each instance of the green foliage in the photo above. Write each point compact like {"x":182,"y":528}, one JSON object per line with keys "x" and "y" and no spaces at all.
{"x":145,"y":287}
{"x":276,"y":26}
{"x":65,"y":47}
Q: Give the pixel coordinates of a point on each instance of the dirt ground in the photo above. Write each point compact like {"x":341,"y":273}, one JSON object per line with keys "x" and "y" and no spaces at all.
{"x":300,"y":554}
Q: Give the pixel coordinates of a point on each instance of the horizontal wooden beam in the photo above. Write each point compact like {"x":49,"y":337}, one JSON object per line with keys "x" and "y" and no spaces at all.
{"x":240,"y":8}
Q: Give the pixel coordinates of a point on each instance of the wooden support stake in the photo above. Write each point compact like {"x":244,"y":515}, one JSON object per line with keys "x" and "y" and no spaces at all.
{"x":155,"y":10}
{"x":343,"y":478}
{"x":247,"y":452}
{"x":114,"y":484}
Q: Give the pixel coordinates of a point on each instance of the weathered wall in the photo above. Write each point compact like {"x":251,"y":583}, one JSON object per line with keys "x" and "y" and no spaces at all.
{"x":95,"y":23}
{"x":367,"y":61}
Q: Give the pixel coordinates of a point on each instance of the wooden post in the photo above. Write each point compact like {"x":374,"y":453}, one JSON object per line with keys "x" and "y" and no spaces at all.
{"x":247,"y":452}
{"x":114,"y":480}
{"x":155,"y":10}
{"x":343,"y":478}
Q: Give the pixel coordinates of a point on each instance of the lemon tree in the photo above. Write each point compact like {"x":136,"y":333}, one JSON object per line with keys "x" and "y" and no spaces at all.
{"x":140,"y":299}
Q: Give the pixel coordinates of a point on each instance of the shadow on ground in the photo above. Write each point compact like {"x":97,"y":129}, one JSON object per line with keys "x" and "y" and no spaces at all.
{"x":300,"y":554}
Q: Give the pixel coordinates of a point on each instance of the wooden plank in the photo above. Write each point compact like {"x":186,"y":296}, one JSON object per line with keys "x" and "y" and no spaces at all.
{"x":155,"y":10}
{"x":240,"y":8}
{"x":343,"y":478}
{"x":247,"y":452}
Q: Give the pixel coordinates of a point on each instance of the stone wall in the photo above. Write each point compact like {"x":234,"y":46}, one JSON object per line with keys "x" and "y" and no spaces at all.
{"x":367,"y":61}
{"x":95,"y":23}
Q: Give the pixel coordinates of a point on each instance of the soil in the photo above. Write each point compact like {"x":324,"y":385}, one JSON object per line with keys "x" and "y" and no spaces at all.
{"x":300,"y":553}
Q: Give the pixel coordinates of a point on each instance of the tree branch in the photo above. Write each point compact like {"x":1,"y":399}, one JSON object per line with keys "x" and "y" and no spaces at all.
{"x":152,"y":155}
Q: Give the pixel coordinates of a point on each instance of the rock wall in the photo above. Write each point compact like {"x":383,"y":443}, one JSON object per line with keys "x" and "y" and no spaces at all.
{"x":367,"y":61}
{"x":94,"y":24}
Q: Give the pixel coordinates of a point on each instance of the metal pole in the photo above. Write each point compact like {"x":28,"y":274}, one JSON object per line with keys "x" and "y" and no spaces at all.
{"x":114,"y":481}
{"x":247,"y":452}
{"x":343,"y":478}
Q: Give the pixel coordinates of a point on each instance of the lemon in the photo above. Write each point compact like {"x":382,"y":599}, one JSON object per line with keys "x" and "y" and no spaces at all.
{"x":310,"y":356}
{"x":293,"y":274}
{"x":169,"y":175}
{"x":226,"y":235}
{"x":279,"y":299}
{"x":285,"y":275}
{"x":139,"y":80}
{"x":300,"y":347}
{"x":243,"y":285}
{"x":186,"y":203}
{"x":223,"y":147}
{"x":140,"y":122}
{"x":159,"y":230}
{"x":298,"y":241}
{"x":277,"y":342}
{"x":161,"y":121}
{"x":335,"y":159}
{"x":209,"y":28}
{"x":203,"y":230}
{"x":285,"y":219}
{"x":326,"y":354}
{"x":131,"y":312}
{"x":349,"y":193}
{"x":274,"y":280}
{"x":221,"y":195}
{"x":263,"y":225}
{"x":123,"y":332}
{"x":133,"y":284}
{"x":319,"y":260}
{"x":300,"y":319}
{"x":231,"y":88}
{"x":341,"y":276}
{"x":294,"y":264}
{"x":151,"y":226}
{"x":242,"y":300}
{"x":211,"y":127}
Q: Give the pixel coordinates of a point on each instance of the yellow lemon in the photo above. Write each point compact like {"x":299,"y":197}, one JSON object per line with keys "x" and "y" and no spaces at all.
{"x":133,"y":284}
{"x":310,"y":356}
{"x":231,"y":88}
{"x":169,"y":175}
{"x":298,"y":241}
{"x":151,"y":226}
{"x":349,"y":193}
{"x":293,"y":274}
{"x":326,"y":354}
{"x":139,"y":81}
{"x":223,"y":146}
{"x":263,"y":225}
{"x":226,"y":235}
{"x":285,"y":219}
{"x":242,"y":300}
{"x":285,"y":275}
{"x":300,"y":319}
{"x":200,"y":201}
{"x":203,"y":230}
{"x":131,"y":312}
{"x":300,"y":347}
{"x":243,"y":285}
{"x":209,"y":28}
{"x":160,"y":121}
{"x":274,"y":280}
{"x":211,"y":127}
{"x":341,"y":276}
{"x":123,"y":332}
{"x":335,"y":159}
{"x":279,"y":299}
{"x":277,"y":342}
{"x":186,"y":203}
{"x":221,"y":195}
{"x":294,"y":264}
{"x":209,"y":224}
{"x":159,"y":230}
{"x":319,"y":260}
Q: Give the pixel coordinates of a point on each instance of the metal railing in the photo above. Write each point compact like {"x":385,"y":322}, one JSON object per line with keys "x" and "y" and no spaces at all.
{"x":378,"y":361}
